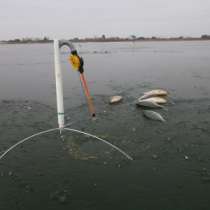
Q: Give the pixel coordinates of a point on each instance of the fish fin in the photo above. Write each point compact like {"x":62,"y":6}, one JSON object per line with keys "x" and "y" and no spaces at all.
{"x":143,"y":97}
{"x":171,"y":101}
{"x":164,"y":108}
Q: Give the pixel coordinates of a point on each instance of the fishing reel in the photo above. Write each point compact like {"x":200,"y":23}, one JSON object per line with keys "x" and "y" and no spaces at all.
{"x":76,"y":61}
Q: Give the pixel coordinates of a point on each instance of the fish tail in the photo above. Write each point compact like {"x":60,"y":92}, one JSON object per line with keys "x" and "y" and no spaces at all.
{"x":164,"y":108}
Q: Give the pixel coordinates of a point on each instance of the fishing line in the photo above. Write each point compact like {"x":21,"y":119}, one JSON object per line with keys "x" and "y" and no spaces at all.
{"x":102,"y":140}
{"x":26,"y":139}
{"x":67,"y":129}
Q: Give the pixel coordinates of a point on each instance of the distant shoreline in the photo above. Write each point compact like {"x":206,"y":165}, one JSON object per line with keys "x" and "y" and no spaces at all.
{"x":107,"y":40}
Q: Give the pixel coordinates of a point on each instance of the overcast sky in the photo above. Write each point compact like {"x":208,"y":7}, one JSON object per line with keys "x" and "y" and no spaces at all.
{"x":87,"y":18}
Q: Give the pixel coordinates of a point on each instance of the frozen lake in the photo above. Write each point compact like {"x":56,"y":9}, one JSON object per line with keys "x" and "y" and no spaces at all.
{"x":171,"y":167}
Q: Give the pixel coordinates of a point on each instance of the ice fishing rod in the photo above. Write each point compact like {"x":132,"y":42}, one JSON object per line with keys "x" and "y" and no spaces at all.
{"x":77,"y":64}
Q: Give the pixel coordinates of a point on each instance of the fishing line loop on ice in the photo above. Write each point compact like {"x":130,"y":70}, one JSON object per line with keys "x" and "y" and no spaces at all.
{"x":67,"y":129}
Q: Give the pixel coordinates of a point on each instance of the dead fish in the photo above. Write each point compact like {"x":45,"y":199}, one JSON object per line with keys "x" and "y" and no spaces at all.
{"x":153,"y":115}
{"x":147,"y":103}
{"x":115,"y":99}
{"x":157,"y":92}
{"x":157,"y":100}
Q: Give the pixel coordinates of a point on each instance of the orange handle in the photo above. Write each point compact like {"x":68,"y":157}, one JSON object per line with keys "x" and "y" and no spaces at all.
{"x":87,"y":94}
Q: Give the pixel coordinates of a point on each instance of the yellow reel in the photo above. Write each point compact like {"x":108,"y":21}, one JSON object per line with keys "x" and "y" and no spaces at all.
{"x":75,"y":61}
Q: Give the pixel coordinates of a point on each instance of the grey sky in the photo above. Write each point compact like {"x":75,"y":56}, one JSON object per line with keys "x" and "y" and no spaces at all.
{"x":68,"y":18}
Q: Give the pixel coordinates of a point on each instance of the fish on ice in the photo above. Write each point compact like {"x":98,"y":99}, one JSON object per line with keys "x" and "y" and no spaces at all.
{"x":149,"y":104}
{"x":156,"y":92}
{"x":115,"y":99}
{"x":158,"y":100}
{"x":153,"y":115}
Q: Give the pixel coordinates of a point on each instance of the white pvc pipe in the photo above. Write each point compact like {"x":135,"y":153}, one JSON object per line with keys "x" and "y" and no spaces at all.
{"x":59,"y":85}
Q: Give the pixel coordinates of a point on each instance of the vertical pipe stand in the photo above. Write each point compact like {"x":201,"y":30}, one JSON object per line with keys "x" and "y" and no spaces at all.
{"x":59,"y":85}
